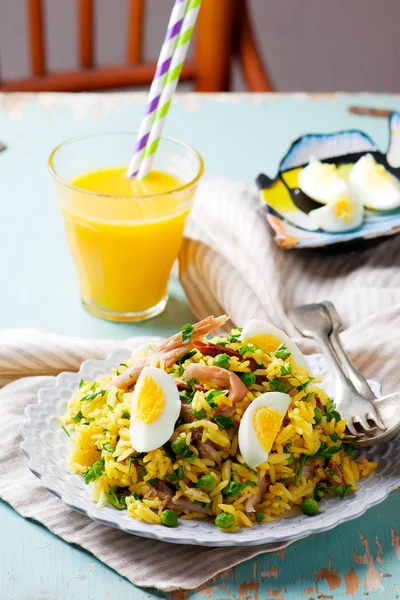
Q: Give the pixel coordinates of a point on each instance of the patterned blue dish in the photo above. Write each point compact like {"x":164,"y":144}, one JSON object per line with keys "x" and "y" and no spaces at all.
{"x":287,"y":207}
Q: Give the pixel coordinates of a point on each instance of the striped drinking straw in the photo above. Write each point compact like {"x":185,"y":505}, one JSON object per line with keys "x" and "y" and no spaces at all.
{"x":163,"y":65}
{"x":169,"y":86}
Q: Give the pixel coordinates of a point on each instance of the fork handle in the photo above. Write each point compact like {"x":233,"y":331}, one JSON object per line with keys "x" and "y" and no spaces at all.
{"x":357,"y":379}
{"x":344,"y":387}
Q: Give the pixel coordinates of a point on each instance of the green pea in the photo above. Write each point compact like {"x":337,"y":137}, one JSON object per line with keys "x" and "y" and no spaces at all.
{"x":222,"y":360}
{"x":224,"y":520}
{"x":317,"y":416}
{"x":310,"y":506}
{"x":169,"y":518}
{"x":248,"y":379}
{"x":207,"y":482}
{"x":259,"y":516}
{"x":178,"y":445}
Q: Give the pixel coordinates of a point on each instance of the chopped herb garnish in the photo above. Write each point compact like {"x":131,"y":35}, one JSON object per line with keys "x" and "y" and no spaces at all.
{"x":303,"y":386}
{"x":334,"y":437}
{"x":135,"y":496}
{"x":92,"y":395}
{"x":350,"y":450}
{"x":184,"y":358}
{"x":250,"y":483}
{"x":82,"y":383}
{"x":200,"y":414}
{"x":300,"y":464}
{"x":248,"y":348}
{"x":77,"y":418}
{"x":187,"y":331}
{"x":325,"y":452}
{"x":331,"y":473}
{"x":65,"y":430}
{"x":317,"y":416}
{"x":213,"y":394}
{"x":233,"y":489}
{"x":318,"y":491}
{"x":110,"y":408}
{"x":125,"y":415}
{"x":279,"y":385}
{"x":112,"y":497}
{"x":176,"y":475}
{"x":233,"y":338}
{"x":95,"y":471}
{"x":330,"y":411}
{"x":340,"y":490}
{"x":142,"y":472}
{"x":282,"y":352}
{"x":188,"y":455}
{"x":223,"y":422}
{"x":286,"y":369}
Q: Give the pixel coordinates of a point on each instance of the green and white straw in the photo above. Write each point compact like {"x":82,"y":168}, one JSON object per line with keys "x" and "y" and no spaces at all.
{"x":169,"y":86}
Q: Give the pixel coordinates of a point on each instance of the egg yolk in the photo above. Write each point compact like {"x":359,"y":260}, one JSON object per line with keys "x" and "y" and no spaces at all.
{"x":151,"y":401}
{"x":265,"y":341}
{"x":267,"y":423}
{"x":343,"y":209}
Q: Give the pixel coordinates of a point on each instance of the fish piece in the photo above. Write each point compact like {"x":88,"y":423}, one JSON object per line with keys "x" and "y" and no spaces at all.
{"x":218,"y":378}
{"x":169,"y":351}
{"x":333,"y":466}
{"x":183,"y":504}
{"x":206,"y":449}
{"x":163,"y":492}
{"x":252,"y":502}
{"x":187,"y":413}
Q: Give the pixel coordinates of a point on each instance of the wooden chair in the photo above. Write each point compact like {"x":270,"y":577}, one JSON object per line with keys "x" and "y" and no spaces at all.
{"x":223,"y":31}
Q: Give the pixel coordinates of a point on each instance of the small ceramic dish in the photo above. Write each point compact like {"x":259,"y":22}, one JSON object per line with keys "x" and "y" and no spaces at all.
{"x":287,"y":207}
{"x":47,"y":449}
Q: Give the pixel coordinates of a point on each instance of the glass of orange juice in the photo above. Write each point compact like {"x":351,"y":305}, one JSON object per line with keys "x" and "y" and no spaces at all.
{"x":124,"y":234}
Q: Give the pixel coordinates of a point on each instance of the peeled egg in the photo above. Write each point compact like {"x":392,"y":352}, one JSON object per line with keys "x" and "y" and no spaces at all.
{"x":344,"y":213}
{"x":269,"y":338}
{"x":322,"y":181}
{"x":155,"y":409}
{"x":373,"y":185}
{"x":260,"y":425}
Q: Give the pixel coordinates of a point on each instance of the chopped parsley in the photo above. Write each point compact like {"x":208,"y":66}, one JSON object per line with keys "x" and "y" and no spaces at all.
{"x":223,"y":422}
{"x":248,"y":348}
{"x":334,"y":437}
{"x":188,"y":394}
{"x":135,"y":496}
{"x":65,"y":430}
{"x":187,"y":331}
{"x":250,"y":483}
{"x":234,"y":338}
{"x":340,"y":490}
{"x":125,"y":415}
{"x":200,"y":414}
{"x":350,"y":450}
{"x":110,"y":408}
{"x":299,"y":466}
{"x":92,"y":395}
{"x":108,"y":448}
{"x":77,"y":418}
{"x":279,"y":385}
{"x":183,"y":359}
{"x":213,"y":394}
{"x":330,"y":411}
{"x":82,"y":383}
{"x":325,"y":452}
{"x":176,"y":475}
{"x":118,"y":371}
{"x":282,"y":352}
{"x":118,"y":503}
{"x":95,"y":471}
{"x":233,"y":489}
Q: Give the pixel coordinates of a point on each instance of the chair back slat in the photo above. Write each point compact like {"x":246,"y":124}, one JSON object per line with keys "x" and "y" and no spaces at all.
{"x":86,"y":36}
{"x":36,"y":37}
{"x":135,"y":31}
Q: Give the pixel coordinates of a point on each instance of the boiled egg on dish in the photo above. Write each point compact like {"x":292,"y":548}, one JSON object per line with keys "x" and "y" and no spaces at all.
{"x":155,"y":409}
{"x":322,"y":181}
{"x":260,"y":425}
{"x":373,"y":185}
{"x":343,"y":213}
{"x":269,"y":338}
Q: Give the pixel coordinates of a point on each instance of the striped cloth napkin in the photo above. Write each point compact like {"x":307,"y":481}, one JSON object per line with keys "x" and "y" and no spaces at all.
{"x":228,"y":263}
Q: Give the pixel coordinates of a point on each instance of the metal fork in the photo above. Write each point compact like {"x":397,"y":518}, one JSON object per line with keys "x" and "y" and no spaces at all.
{"x":313,"y":320}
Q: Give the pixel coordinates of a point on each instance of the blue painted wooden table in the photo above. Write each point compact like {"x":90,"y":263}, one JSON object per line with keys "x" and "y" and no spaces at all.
{"x":238,"y":135}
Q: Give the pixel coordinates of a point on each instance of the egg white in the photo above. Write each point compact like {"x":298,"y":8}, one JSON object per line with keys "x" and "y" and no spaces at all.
{"x":149,"y":436}
{"x":322,"y":181}
{"x":250,"y":447}
{"x":373,"y":185}
{"x":257,"y":327}
{"x":342,"y":214}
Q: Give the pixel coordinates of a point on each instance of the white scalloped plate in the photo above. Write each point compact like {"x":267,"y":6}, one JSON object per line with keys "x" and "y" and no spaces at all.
{"x":47,"y":447}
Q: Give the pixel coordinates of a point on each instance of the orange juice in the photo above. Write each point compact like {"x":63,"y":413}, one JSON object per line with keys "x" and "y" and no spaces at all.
{"x":124,"y":236}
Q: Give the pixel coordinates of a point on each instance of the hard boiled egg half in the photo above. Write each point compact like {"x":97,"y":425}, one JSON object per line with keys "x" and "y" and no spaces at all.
{"x":269,"y":338}
{"x":260,"y":425}
{"x":322,"y":181}
{"x":343,"y":213}
{"x":155,"y":409}
{"x":373,"y":185}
